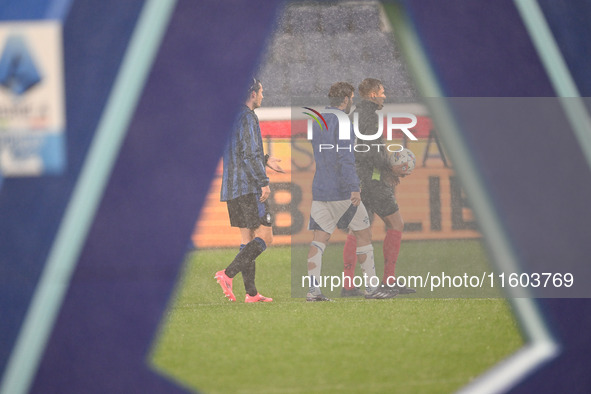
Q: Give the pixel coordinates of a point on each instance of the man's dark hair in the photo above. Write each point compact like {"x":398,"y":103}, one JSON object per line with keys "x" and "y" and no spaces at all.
{"x":369,"y":85}
{"x":255,"y":86}
{"x":338,"y":91}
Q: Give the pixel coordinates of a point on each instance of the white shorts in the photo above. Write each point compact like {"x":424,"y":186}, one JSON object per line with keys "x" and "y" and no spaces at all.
{"x":329,"y":215}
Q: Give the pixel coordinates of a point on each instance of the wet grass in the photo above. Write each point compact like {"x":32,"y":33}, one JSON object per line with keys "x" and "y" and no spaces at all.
{"x":402,"y":345}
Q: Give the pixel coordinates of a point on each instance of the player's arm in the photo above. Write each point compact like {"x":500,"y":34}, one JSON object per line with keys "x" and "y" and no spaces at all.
{"x":364,"y":164}
{"x":253,"y":157}
{"x":399,"y":171}
{"x":265,"y":193}
{"x":355,"y":198}
{"x":389,"y":174}
{"x":273,"y":163}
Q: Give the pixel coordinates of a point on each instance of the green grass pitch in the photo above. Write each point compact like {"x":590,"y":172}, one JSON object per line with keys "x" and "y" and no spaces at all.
{"x":403,"y":345}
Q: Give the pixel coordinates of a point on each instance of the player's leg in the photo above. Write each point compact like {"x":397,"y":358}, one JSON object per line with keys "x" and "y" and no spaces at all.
{"x":244,"y":262}
{"x":391,"y":248}
{"x":248,"y":273}
{"x":323,"y":218}
{"x":236,"y":220}
{"x":250,"y":225}
{"x":366,"y":260}
{"x":365,"y":256}
{"x":262,"y":234}
{"x":350,"y":257}
{"x":386,"y":207}
{"x":315,"y":253}
{"x":265,"y":233}
{"x":246,"y":235}
{"x":349,"y":263}
{"x":244,"y":214}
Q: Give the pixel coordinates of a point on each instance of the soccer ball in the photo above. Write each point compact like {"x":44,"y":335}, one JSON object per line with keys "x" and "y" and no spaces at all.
{"x":405,"y":157}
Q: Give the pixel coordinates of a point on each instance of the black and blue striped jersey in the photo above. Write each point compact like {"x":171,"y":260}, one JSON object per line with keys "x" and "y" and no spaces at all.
{"x":244,"y":158}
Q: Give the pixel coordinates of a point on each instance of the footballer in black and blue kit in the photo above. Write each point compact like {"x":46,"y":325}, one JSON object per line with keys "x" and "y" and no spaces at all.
{"x":245,"y":189}
{"x":244,"y":175}
{"x":336,"y":195}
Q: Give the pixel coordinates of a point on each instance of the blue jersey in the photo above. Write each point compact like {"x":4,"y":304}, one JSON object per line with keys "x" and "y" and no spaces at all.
{"x":244,"y":158}
{"x":335,"y":177}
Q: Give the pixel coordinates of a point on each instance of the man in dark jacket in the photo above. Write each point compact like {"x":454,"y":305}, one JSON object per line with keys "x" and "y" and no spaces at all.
{"x":245,"y":188}
{"x":378,"y":179}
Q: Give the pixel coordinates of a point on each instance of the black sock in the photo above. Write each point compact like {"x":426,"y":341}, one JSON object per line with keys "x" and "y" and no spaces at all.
{"x":248,"y":275}
{"x":248,"y":254}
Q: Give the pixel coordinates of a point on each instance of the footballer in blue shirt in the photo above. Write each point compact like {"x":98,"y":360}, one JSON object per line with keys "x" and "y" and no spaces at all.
{"x":336,"y":198}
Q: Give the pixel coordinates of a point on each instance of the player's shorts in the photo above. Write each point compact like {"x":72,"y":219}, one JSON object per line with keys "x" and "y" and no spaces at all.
{"x":379,"y":198}
{"x":248,"y":212}
{"x":330,"y":215}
